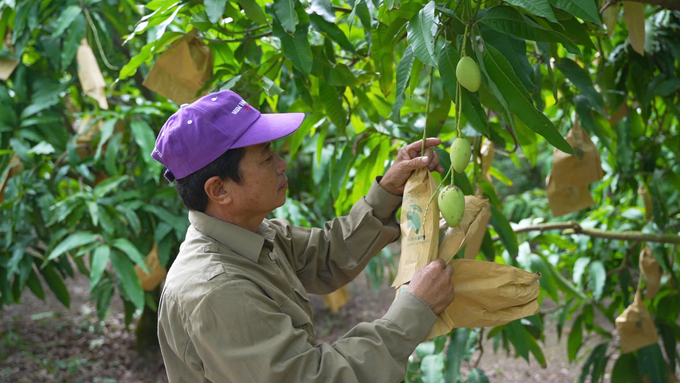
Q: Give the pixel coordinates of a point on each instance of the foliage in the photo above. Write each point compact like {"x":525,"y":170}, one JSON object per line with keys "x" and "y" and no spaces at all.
{"x":371,"y":76}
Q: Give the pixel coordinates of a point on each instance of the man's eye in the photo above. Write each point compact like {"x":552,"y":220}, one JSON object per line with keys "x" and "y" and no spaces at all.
{"x":269,"y":158}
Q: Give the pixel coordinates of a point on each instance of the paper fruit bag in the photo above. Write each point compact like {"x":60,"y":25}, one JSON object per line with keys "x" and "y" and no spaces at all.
{"x":337,"y":298}
{"x":487,"y":294}
{"x":419,"y":234}
{"x":470,"y":231}
{"x":8,"y":65}
{"x":651,"y":270}
{"x":90,"y":76}
{"x":571,"y":171}
{"x":636,"y":327}
{"x":568,"y":199}
{"x":15,"y":167}
{"x":182,"y":70}
{"x":487,"y":153}
{"x":156,"y":271}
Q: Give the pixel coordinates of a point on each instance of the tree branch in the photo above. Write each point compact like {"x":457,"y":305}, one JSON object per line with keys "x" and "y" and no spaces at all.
{"x":572,"y":227}
{"x":249,"y":37}
{"x":667,"y":4}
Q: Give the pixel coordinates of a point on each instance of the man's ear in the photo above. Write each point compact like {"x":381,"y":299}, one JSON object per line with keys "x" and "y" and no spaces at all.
{"x":216,"y":190}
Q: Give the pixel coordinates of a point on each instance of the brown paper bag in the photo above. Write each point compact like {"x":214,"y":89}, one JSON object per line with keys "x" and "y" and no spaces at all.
{"x":419,"y":235}
{"x":7,"y":66}
{"x":91,"y":78}
{"x":487,"y":294}
{"x":487,"y":153}
{"x":649,"y":206}
{"x":182,"y":70}
{"x":469,"y":232}
{"x":636,"y":327}
{"x":571,"y":171}
{"x":568,"y":199}
{"x":651,"y":270}
{"x":88,"y":131}
{"x":337,"y":298}
{"x":15,"y":167}
{"x":156,"y":271}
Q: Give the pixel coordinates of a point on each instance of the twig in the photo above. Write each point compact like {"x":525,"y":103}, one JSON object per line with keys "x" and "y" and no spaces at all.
{"x":342,"y":9}
{"x":247,"y":38}
{"x":607,"y":5}
{"x":99,"y":44}
{"x":481,"y":347}
{"x":623,"y":264}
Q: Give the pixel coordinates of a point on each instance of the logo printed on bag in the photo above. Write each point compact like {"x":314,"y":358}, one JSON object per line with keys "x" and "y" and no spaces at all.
{"x":239,"y":107}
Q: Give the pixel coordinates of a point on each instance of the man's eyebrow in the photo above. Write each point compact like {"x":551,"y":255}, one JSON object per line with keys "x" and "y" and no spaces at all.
{"x":266,"y":147}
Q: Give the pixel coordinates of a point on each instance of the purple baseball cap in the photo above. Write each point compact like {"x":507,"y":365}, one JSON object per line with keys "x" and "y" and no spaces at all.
{"x":200,"y":132}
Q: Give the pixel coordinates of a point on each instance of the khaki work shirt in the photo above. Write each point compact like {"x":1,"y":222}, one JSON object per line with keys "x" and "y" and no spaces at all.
{"x":234,"y":307}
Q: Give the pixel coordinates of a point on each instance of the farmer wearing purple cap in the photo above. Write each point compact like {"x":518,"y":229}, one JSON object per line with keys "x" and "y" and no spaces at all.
{"x":234,"y":307}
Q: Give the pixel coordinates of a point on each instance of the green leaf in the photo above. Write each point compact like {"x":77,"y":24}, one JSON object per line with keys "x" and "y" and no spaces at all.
{"x":593,"y":361}
{"x":579,"y":269}
{"x":106,"y":133}
{"x":340,"y":169}
{"x":285,"y":13}
{"x":71,"y":242}
{"x":112,"y":155}
{"x":536,"y":7}
{"x":75,"y":33}
{"x":547,"y":282}
{"x":583,"y":9}
{"x":270,"y":87}
{"x":100,"y":258}
{"x":577,"y":32}
{"x":215,"y":9}
{"x":508,"y":20}
{"x":108,"y":185}
{"x":144,"y":137}
{"x":296,"y":48}
{"x":128,"y":248}
{"x":471,"y":108}
{"x":55,"y":284}
{"x":504,"y":230}
{"x":477,"y":376}
{"x":420,"y":34}
{"x":403,"y":74}
{"x":626,"y":369}
{"x":253,"y":11}
{"x":323,"y":8}
{"x":34,"y":284}
{"x":93,"y":208}
{"x":332,"y":31}
{"x":332,"y":103}
{"x":65,"y":19}
{"x":517,"y":97}
{"x":515,"y":51}
{"x":575,"y":339}
{"x":128,"y":277}
{"x":580,"y":77}
{"x":432,"y":367}
{"x":455,"y":353}
{"x":651,"y":364}
{"x":597,"y":277}
{"x":517,"y":335}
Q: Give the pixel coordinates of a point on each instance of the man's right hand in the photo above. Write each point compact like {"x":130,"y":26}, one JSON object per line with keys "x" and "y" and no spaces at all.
{"x":433,"y":284}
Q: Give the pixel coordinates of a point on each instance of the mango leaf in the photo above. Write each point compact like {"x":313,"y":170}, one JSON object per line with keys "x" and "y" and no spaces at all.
{"x":634,"y":16}
{"x":579,"y":269}
{"x":144,"y":137}
{"x":517,"y":335}
{"x":76,"y":32}
{"x":508,"y":20}
{"x":580,"y":77}
{"x":332,"y":31}
{"x":432,"y":367}
{"x":626,"y":369}
{"x":124,"y":245}
{"x":578,"y":32}
{"x":504,"y":230}
{"x":515,"y":51}
{"x":471,"y":107}
{"x":71,"y":242}
{"x":536,"y":7}
{"x":253,"y":11}
{"x":323,"y":8}
{"x":596,"y":357}
{"x":403,"y":74}
{"x":215,"y":9}
{"x":99,"y":260}
{"x":296,"y":48}
{"x":65,"y":19}
{"x":455,"y":353}
{"x":517,"y":97}
{"x":35,"y":286}
{"x":56,"y":284}
{"x":547,"y":282}
{"x":108,"y":185}
{"x":420,"y":34}
{"x":332,"y":103}
{"x":285,"y":13}
{"x":128,"y":277}
{"x":106,"y":133}
{"x":583,"y":9}
{"x":651,"y":363}
{"x":597,"y":277}
{"x":575,"y":339}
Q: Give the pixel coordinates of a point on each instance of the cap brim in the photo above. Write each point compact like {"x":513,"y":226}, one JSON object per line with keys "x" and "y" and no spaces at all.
{"x":270,"y":127}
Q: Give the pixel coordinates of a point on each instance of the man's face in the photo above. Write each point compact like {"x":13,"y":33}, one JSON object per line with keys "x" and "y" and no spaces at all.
{"x":263,"y":184}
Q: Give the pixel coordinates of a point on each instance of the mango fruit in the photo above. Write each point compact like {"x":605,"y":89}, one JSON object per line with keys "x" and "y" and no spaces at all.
{"x":451,"y":204}
{"x":468,"y":74}
{"x":460,"y":153}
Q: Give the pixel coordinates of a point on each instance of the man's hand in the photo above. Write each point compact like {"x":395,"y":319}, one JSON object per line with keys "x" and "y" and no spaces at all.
{"x":408,"y":160}
{"x":433,"y":284}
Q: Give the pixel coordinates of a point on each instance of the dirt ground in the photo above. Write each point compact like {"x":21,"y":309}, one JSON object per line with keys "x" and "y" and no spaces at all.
{"x":45,"y":342}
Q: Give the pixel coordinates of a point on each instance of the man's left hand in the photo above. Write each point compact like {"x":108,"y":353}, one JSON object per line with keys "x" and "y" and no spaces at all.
{"x":409,"y":159}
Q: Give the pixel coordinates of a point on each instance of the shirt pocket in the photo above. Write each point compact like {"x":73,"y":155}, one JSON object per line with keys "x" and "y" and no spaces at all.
{"x":297,"y":314}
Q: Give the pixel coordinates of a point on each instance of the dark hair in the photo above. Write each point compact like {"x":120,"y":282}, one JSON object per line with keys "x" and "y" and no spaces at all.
{"x":191,"y":189}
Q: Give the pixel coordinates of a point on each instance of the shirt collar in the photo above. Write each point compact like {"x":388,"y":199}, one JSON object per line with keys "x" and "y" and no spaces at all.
{"x":242,"y":241}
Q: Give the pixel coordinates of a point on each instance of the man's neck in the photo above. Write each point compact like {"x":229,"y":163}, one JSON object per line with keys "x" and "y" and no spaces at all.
{"x":251,"y":223}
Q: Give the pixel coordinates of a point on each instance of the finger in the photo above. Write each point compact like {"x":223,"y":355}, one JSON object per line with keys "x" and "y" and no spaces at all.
{"x":438,"y":263}
{"x":440,"y":169}
{"x":434,"y":159}
{"x":414,"y":149}
{"x":449,"y":270}
{"x":416,"y":163}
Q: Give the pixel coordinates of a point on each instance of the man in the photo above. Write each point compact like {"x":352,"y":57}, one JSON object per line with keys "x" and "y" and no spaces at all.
{"x":234,"y":307}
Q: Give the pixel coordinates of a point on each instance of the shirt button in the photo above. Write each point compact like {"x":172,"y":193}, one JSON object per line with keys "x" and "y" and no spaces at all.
{"x":272,"y":255}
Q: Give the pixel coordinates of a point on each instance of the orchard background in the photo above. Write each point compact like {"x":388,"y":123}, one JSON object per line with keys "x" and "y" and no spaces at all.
{"x":83,"y":196}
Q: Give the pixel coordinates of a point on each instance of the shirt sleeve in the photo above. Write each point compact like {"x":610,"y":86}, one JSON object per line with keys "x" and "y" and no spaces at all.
{"x":326,"y":259}
{"x":242,"y":335}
